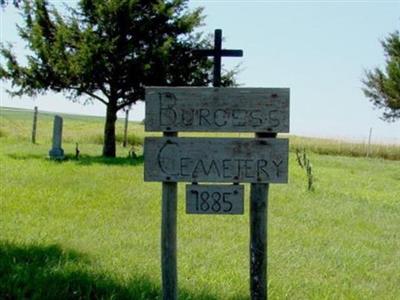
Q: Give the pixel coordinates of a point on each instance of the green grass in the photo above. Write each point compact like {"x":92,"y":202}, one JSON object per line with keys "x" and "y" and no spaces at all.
{"x":341,"y":148}
{"x":16,"y":125}
{"x":90,"y":228}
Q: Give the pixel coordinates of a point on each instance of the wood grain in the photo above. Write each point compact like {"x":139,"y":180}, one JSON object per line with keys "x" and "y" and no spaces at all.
{"x":214,"y":199}
{"x":234,"y":160}
{"x":169,"y":272}
{"x":258,"y":236}
{"x":217,"y":109}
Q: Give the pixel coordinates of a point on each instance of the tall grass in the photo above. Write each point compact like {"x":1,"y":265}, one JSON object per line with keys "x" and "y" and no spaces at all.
{"x":17,"y":126}
{"x":338,"y":147}
{"x":89,"y":228}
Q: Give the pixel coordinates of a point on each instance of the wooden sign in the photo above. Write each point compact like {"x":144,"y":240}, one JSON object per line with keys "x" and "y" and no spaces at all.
{"x":259,"y":160}
{"x":214,"y":199}
{"x":217,"y":109}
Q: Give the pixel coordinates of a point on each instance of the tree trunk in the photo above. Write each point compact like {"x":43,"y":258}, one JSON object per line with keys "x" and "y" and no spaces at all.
{"x":109,"y":131}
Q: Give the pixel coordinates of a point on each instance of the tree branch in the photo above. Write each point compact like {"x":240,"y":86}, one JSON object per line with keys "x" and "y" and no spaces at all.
{"x":104,"y":91}
{"x":125,"y":103}
{"x":96,"y":97}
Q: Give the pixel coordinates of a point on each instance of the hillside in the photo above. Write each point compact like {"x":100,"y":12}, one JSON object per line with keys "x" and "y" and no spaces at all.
{"x":16,"y":124}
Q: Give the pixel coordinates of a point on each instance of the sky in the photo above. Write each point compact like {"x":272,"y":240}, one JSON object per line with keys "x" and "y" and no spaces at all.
{"x":318,"y":49}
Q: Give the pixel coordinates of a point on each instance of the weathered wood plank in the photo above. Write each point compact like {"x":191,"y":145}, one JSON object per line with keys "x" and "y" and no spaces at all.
{"x":259,"y":160}
{"x":169,"y":272}
{"x":214,"y":199}
{"x":217,"y":109}
{"x":258,"y":240}
{"x":258,"y":236}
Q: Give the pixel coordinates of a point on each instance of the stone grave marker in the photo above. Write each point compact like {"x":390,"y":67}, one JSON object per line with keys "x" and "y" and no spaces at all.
{"x":56,"y":152}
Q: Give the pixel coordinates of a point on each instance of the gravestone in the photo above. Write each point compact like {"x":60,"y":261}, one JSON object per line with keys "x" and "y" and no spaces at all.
{"x":56,"y":152}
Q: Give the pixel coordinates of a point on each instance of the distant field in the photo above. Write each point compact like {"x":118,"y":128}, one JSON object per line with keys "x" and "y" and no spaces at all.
{"x":90,"y":228}
{"x":17,"y":125}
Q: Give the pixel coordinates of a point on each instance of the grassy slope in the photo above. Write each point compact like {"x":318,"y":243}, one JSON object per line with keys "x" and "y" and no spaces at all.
{"x":91,"y":227}
{"x":17,"y":125}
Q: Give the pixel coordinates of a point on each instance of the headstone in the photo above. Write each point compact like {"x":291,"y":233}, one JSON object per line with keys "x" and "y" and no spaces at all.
{"x":56,"y":152}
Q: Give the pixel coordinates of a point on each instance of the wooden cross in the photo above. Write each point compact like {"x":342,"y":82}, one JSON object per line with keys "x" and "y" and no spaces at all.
{"x":218,"y":53}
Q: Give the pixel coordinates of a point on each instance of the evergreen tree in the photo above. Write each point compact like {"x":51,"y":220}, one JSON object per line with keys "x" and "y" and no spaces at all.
{"x":108,"y":50}
{"x":382,"y":87}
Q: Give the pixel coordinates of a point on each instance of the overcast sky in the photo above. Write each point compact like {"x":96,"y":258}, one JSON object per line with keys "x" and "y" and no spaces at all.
{"x":319,"y":49}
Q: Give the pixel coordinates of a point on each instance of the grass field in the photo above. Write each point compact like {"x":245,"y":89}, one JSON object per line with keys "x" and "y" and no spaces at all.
{"x":16,"y":125}
{"x":90,"y":228}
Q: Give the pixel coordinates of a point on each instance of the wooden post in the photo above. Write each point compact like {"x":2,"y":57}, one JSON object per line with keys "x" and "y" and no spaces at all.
{"x":258,"y":242}
{"x":35,"y":113}
{"x":126,"y":128}
{"x":168,"y":237}
{"x":369,"y":142}
{"x":258,"y":236}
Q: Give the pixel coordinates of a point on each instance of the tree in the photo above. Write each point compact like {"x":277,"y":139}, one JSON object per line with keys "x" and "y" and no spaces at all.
{"x":4,"y":3}
{"x":108,"y":50}
{"x":382,"y":87}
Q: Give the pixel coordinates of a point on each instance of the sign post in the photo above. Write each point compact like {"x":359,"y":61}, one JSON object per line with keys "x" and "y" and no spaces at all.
{"x":168,"y":237}
{"x":258,"y":161}
{"x":258,"y":236}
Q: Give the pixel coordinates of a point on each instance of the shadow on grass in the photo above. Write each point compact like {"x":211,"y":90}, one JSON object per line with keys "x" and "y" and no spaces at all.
{"x":84,"y":160}
{"x":27,"y":156}
{"x":51,"y":272}
{"x":90,"y":160}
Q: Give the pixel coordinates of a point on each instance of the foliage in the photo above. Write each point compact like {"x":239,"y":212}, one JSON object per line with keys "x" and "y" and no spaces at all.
{"x":108,"y":51}
{"x":382,"y":87}
{"x":16,"y":3}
